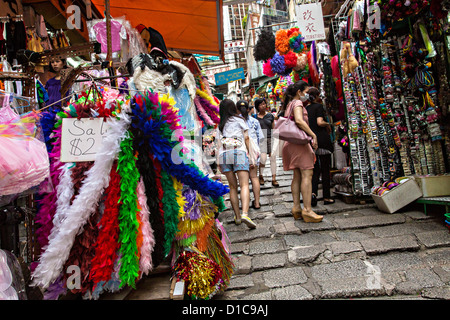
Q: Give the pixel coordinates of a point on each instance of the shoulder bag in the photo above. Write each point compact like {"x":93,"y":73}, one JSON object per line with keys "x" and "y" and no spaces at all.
{"x":287,"y":129}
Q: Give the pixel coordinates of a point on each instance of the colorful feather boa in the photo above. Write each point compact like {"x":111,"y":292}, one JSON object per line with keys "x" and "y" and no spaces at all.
{"x":209,"y":105}
{"x":53,"y":258}
{"x":202,"y":113}
{"x":158,"y":135}
{"x":128,"y":224}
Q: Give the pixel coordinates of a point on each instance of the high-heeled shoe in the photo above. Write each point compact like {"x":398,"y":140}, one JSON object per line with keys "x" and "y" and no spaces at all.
{"x":311,"y":216}
{"x":296,"y":213}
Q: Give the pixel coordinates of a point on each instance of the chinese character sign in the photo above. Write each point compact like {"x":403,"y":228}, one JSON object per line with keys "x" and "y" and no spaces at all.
{"x":310,"y":21}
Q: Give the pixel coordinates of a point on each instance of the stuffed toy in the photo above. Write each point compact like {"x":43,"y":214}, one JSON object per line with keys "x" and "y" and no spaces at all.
{"x":348,"y":60}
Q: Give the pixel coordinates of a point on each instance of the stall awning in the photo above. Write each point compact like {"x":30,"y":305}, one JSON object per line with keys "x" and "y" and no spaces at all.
{"x":192,"y":26}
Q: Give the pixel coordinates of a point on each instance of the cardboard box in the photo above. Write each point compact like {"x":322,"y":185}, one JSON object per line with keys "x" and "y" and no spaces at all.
{"x":434,"y":186}
{"x":398,"y":197}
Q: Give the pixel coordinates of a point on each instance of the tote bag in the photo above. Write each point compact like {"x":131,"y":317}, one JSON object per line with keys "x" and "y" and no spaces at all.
{"x":288,"y":130}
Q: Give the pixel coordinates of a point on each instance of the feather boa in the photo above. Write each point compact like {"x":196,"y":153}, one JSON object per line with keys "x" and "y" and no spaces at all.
{"x":128,"y":224}
{"x":79,"y":252}
{"x":47,"y":121}
{"x":209,"y":105}
{"x":107,"y":244}
{"x":57,"y":252}
{"x":156,"y":134}
{"x":202,"y":113}
{"x":145,"y":263}
{"x":48,"y":203}
{"x":171,"y":208}
{"x":65,"y":193}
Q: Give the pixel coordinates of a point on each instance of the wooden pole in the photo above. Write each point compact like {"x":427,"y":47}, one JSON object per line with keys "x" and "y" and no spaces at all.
{"x":108,"y":30}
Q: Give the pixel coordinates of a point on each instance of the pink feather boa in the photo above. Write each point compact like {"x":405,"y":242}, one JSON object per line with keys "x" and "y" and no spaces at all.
{"x":148,"y":244}
{"x":202,"y":112}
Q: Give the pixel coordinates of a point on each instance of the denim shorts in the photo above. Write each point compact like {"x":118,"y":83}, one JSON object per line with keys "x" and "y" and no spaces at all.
{"x":233,"y":160}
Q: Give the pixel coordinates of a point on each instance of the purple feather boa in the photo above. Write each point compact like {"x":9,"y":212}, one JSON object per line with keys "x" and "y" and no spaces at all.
{"x":48,"y":203}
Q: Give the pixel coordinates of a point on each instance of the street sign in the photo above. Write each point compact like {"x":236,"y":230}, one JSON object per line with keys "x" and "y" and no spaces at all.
{"x":229,"y":76}
{"x":310,"y":21}
{"x":234,"y":46}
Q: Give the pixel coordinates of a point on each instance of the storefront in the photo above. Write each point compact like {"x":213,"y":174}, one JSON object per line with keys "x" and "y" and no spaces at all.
{"x":392,"y":73}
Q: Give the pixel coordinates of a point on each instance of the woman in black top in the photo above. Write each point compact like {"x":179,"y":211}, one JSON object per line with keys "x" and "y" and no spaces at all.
{"x":267,"y":122}
{"x":322,"y":129}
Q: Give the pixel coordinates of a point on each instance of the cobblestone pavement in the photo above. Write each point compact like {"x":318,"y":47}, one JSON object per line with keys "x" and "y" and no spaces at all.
{"x":357,"y":251}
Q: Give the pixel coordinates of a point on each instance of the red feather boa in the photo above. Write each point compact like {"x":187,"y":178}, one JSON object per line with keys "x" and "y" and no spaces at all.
{"x":107,"y":244}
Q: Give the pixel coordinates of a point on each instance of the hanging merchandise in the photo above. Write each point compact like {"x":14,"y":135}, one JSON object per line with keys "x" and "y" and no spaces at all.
{"x":24,"y":160}
{"x":393,"y":93}
{"x":144,"y":199}
{"x":284,"y":55}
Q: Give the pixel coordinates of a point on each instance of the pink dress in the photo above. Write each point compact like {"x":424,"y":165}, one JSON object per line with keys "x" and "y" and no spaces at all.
{"x":24,"y":159}
{"x":300,"y":156}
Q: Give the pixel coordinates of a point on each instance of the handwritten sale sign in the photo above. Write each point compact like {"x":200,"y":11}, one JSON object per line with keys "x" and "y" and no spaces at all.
{"x":81,"y":139}
{"x":310,"y":21}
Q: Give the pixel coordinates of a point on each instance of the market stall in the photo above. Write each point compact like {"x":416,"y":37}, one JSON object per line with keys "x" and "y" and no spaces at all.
{"x":393,"y":71}
{"x":124,"y":185}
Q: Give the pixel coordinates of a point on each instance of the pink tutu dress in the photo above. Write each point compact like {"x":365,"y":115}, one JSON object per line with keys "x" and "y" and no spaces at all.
{"x":24,"y":159}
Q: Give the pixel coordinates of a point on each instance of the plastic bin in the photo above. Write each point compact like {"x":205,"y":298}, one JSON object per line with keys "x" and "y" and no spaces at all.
{"x":434,"y":186}
{"x":398,"y":197}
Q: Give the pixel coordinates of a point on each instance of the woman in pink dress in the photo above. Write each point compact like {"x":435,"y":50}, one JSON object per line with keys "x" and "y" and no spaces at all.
{"x":300,"y":158}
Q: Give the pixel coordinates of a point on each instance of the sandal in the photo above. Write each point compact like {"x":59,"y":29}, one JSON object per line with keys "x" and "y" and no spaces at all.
{"x":297,"y":214}
{"x":261,"y":180}
{"x":275,"y":183}
{"x":254,"y":207}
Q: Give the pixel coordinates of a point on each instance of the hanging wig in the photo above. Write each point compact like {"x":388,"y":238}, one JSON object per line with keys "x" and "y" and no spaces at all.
{"x":282,"y":41}
{"x":265,"y":46}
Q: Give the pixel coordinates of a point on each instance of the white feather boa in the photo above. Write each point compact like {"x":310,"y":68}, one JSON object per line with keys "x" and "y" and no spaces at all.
{"x":64,"y":194}
{"x":62,"y":238}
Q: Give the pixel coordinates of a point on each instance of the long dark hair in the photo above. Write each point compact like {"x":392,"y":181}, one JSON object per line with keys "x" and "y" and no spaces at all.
{"x":291,"y":91}
{"x":227,"y":109}
{"x":243,"y":107}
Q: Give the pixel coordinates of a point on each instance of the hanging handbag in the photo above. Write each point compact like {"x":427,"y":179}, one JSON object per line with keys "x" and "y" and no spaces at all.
{"x":287,"y":129}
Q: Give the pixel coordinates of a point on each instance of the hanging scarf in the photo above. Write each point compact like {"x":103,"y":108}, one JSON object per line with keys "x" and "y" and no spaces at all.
{"x":52,"y":260}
